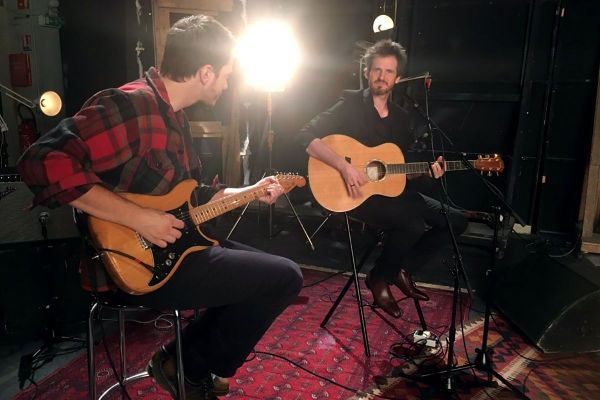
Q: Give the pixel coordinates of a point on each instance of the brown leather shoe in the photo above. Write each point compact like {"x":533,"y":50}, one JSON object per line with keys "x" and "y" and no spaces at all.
{"x":382,"y":295}
{"x":405,"y":283}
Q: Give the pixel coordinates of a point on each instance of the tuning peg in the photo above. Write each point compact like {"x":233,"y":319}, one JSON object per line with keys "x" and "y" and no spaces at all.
{"x":487,"y":156}
{"x":489,"y":173}
{"x":497,"y":173}
{"x":479,"y":156}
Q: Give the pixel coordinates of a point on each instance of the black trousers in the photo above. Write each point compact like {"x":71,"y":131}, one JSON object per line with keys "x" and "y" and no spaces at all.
{"x":243,"y":291}
{"x":415,"y":229}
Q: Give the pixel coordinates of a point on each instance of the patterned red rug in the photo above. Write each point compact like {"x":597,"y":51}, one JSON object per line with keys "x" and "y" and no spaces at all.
{"x":337,"y":353}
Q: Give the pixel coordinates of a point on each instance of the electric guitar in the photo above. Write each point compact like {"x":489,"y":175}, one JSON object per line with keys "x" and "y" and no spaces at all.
{"x":384,"y":167}
{"x":136,"y":265}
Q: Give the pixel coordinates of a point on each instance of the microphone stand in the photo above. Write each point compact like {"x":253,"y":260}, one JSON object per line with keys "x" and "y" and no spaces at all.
{"x":483,"y":360}
{"x":28,"y":363}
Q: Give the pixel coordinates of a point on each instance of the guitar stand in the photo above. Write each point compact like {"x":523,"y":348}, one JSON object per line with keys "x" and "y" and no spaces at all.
{"x":353,"y":279}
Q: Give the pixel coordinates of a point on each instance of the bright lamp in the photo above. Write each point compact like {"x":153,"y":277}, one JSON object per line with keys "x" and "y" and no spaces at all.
{"x":268,"y":55}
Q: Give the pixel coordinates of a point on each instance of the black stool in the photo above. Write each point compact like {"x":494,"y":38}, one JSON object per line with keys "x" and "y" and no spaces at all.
{"x":105,"y":300}
{"x":124,"y":377}
{"x":356,"y":268}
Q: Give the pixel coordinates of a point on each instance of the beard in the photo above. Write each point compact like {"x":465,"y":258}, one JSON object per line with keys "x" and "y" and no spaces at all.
{"x":380,"y":89}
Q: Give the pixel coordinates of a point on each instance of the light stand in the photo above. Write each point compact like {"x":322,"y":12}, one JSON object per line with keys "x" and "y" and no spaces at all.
{"x":270,"y":142}
{"x":483,"y":360}
{"x":269,"y":55}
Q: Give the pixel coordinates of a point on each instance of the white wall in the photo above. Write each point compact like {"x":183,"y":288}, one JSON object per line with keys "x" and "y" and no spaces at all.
{"x":46,"y":64}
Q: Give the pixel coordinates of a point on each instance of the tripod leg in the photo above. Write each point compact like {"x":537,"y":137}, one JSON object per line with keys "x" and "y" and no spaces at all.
{"x":237,"y":221}
{"x":321,"y":225}
{"x":509,"y":385}
{"x":337,"y":301}
{"x":308,"y":239}
{"x":361,"y":314}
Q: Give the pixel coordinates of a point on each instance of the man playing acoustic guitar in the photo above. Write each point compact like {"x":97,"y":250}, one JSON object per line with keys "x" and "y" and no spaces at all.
{"x":370,"y":117}
{"x":137,"y":139}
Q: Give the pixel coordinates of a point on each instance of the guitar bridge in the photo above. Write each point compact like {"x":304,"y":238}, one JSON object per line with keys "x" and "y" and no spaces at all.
{"x":143,"y":242}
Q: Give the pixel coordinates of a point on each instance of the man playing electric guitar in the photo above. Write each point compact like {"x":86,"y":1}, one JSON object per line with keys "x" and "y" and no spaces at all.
{"x":370,"y":117}
{"x":136,"y":139}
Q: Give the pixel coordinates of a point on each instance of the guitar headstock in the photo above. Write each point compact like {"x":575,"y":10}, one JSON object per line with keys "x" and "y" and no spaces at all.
{"x":489,"y":164}
{"x":289,"y":181}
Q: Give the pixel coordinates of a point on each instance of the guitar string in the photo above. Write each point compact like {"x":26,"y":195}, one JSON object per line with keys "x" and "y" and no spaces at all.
{"x":423,"y":164}
{"x":186,"y":216}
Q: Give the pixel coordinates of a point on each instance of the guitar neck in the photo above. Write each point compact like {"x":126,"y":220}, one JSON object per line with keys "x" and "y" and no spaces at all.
{"x":215,"y":208}
{"x":423,"y":167}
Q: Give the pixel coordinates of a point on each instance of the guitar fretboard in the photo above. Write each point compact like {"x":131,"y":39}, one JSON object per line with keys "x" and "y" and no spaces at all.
{"x":215,"y":208}
{"x":423,"y":167}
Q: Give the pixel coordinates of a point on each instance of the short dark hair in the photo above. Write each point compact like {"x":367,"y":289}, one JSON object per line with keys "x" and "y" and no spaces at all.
{"x":193,"y":42}
{"x":385,"y":48}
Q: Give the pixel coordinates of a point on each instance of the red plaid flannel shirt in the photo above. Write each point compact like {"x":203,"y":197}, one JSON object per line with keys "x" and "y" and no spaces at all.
{"x":128,"y":139}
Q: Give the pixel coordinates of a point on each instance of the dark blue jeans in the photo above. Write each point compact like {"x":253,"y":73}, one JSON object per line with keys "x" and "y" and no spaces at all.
{"x":415,"y":227}
{"x":243,"y":291}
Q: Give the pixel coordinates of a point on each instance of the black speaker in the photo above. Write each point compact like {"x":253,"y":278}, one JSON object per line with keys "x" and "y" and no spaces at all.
{"x":20,"y":225}
{"x":554,"y":304}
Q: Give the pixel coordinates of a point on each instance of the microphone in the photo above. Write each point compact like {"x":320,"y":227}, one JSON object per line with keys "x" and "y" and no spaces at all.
{"x":424,"y":75}
{"x":43,"y":219}
{"x":428,"y":81}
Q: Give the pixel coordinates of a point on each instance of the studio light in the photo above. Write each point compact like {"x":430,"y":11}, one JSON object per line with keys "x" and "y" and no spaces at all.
{"x":383,"y":23}
{"x":49,"y":102}
{"x":268,"y":55}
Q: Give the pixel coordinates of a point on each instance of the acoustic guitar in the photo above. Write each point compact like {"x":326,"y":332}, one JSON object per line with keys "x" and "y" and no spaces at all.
{"x":383,"y":165}
{"x":136,"y":265}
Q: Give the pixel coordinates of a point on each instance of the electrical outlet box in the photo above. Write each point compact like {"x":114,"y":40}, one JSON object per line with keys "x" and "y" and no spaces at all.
{"x":50,"y":21}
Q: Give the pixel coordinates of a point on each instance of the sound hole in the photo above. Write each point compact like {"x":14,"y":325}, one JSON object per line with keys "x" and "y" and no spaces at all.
{"x":375,"y":170}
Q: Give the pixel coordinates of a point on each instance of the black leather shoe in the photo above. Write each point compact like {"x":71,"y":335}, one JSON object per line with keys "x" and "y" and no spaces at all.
{"x":405,"y":283}
{"x":382,"y":295}
{"x":162,"y":369}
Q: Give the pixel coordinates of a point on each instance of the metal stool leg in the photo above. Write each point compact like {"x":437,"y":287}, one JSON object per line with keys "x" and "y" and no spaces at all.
{"x":122,"y":349}
{"x":353,"y":279}
{"x":347,"y":286}
{"x":90,"y":352}
{"x":361,"y":314}
{"x":95,"y":310}
{"x":179,"y":351}
{"x":337,"y":301}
